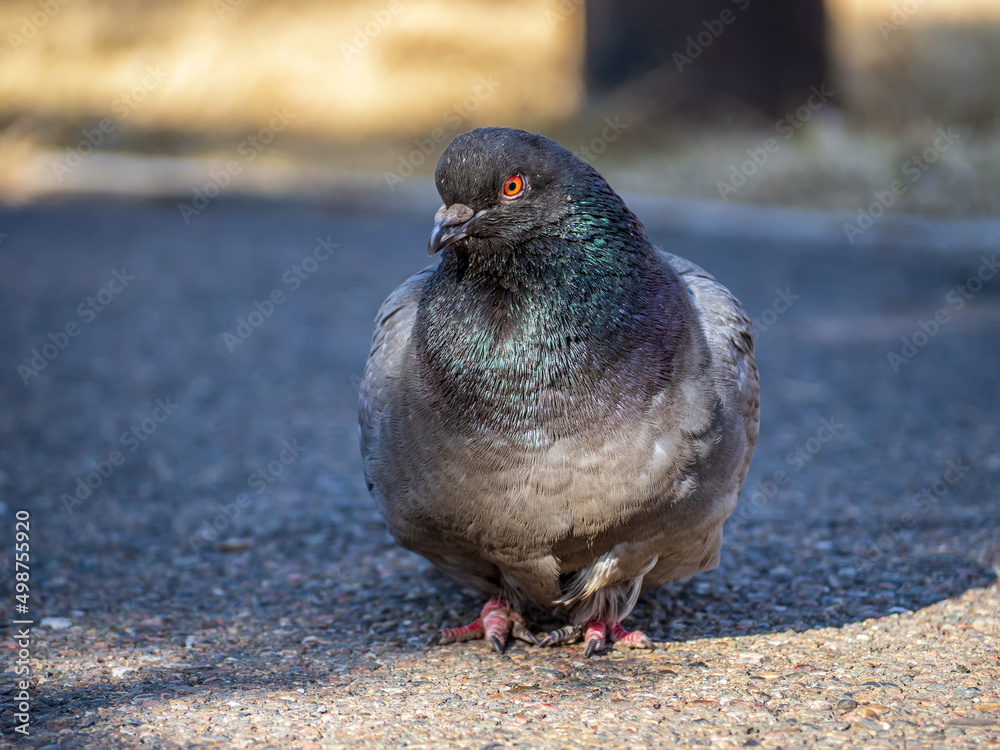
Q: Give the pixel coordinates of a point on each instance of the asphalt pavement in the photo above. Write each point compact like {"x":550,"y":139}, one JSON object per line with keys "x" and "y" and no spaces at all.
{"x":207,"y":569}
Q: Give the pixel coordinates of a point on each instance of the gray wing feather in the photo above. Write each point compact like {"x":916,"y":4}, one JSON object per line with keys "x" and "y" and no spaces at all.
{"x":390,"y":345}
{"x":382,"y":398}
{"x":730,"y":338}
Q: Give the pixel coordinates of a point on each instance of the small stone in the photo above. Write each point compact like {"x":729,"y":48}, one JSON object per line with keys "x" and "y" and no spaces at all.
{"x":966,"y":692}
{"x":971,"y":722}
{"x":846,"y":703}
{"x":57,"y":623}
{"x":234,"y":544}
{"x":781,"y":573}
{"x":870,"y":711}
{"x":551,"y":674}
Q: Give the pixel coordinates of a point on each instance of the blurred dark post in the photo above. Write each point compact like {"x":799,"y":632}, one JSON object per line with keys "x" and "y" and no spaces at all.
{"x":706,"y":57}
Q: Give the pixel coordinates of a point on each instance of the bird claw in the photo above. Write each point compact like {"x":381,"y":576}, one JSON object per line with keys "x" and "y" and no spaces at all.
{"x":593,"y":646}
{"x":520,"y":631}
{"x":595,"y":638}
{"x":565,"y":634}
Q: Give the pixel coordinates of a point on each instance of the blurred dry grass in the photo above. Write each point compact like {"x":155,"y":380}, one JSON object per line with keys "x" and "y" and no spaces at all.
{"x":367,"y":81}
{"x":347,"y":70}
{"x":829,"y":164}
{"x":900,"y":61}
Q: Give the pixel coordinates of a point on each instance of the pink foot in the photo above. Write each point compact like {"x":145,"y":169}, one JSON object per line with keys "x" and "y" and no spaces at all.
{"x":469,"y":632}
{"x":635,"y":639}
{"x":494,"y":623}
{"x":597,"y":634}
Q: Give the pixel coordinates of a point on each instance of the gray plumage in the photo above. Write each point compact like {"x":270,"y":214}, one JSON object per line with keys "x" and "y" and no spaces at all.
{"x":533,"y":451}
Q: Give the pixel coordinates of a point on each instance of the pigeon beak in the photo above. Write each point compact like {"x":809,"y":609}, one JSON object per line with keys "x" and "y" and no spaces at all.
{"x":450,"y":223}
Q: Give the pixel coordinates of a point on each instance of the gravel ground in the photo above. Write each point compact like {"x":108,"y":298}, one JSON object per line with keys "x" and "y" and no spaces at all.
{"x":228,"y":583}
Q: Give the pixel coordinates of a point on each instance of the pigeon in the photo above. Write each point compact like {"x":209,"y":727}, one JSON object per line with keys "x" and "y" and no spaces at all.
{"x":557,"y":414}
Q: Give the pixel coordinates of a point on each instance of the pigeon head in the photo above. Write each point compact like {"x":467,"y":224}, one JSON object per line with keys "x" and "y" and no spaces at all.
{"x":508,"y":191}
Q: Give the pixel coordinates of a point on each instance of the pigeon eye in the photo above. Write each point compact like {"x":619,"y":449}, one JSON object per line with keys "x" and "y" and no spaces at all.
{"x":513,"y":186}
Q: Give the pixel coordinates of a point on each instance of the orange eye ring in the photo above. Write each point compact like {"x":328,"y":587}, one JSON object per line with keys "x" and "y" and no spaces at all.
{"x":513,"y":186}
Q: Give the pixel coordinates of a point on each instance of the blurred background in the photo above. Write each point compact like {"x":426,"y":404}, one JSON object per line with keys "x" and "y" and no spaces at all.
{"x":128,"y":96}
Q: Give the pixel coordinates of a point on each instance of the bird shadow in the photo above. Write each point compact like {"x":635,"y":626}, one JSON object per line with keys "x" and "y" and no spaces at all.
{"x":818,"y":585}
{"x":788,"y":586}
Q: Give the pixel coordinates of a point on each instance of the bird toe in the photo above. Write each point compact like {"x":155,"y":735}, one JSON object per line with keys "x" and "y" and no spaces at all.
{"x":520,"y":631}
{"x":595,"y":638}
{"x":564,"y":635}
{"x":633,"y":639}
